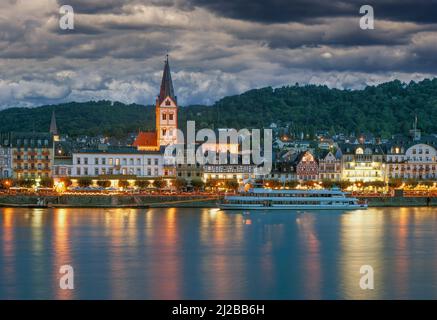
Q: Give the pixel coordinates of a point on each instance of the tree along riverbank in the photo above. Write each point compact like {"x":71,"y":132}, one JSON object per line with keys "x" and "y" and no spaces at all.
{"x":144,"y":201}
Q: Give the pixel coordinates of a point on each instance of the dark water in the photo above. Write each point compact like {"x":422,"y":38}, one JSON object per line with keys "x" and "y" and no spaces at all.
{"x":208,"y":254}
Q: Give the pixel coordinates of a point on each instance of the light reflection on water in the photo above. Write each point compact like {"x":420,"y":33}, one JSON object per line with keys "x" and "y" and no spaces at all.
{"x":211,"y":254}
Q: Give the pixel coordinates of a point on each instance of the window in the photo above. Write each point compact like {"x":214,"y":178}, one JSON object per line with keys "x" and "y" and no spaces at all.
{"x":138,"y":162}
{"x":78,"y":160}
{"x":104,"y":161}
{"x":96,"y":160}
{"x":149,"y":161}
{"x":164,"y":132}
{"x":111,"y":161}
{"x":78,"y":171}
{"x":117,"y":161}
{"x":167,"y":102}
{"x":164,"y":116}
{"x":149,"y":172}
{"x":96,"y":171}
{"x":85,"y":171}
{"x":85,"y":160}
{"x":170,"y":116}
{"x":156,"y":162}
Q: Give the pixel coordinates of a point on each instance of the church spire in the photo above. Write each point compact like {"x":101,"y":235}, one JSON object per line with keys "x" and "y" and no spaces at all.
{"x":166,"y":84}
{"x":53,"y":126}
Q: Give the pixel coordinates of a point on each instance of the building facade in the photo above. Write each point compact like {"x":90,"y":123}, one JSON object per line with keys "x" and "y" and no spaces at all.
{"x":330,"y":167}
{"x":5,"y":156}
{"x":416,"y":160}
{"x":282,"y":171}
{"x":306,"y":167}
{"x":362,"y":162}
{"x":114,"y":161}
{"x":32,"y":155}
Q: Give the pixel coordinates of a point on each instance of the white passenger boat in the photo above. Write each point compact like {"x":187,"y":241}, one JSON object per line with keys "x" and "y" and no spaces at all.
{"x":268,"y":199}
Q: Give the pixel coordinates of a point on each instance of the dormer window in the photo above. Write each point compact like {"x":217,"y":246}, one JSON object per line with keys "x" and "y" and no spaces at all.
{"x":167,"y":102}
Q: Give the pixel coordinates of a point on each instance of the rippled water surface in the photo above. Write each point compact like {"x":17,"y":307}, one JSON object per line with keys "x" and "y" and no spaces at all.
{"x":210,"y":254}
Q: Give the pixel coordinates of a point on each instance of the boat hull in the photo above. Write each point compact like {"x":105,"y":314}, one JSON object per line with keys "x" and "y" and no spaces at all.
{"x":291,"y":207}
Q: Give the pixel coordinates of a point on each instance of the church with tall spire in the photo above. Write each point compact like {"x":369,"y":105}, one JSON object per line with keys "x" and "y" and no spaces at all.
{"x":166,"y":110}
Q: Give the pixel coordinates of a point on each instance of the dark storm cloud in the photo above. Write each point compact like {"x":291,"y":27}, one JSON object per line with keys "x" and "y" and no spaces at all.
{"x":216,"y":48}
{"x":277,"y":11}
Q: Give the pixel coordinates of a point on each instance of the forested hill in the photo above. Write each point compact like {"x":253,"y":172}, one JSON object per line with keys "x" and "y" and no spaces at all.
{"x":384,"y":109}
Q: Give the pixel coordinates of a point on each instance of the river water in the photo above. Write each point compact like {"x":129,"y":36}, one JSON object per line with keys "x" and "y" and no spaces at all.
{"x":189,"y":253}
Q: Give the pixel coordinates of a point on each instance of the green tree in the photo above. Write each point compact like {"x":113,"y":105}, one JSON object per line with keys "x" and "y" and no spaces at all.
{"x":46,"y":183}
{"x":159,"y":183}
{"x":328,"y":184}
{"x":231,"y":185}
{"x":84,"y":182}
{"x":104,"y":183}
{"x":123,"y":184}
{"x":197,"y":184}
{"x":142,"y":184}
{"x":180,"y":184}
{"x":24,"y":183}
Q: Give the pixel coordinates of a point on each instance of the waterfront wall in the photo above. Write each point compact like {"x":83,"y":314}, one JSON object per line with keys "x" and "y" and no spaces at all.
{"x":110,"y":201}
{"x":172,"y":201}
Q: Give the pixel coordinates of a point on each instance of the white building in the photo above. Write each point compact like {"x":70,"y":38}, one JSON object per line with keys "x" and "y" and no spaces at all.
{"x":111,"y":161}
{"x":414,"y":161}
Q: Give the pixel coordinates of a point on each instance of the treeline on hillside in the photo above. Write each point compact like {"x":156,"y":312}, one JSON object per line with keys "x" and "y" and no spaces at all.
{"x":383,"y":110}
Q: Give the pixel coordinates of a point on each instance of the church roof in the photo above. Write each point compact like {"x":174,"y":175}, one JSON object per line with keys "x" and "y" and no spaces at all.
{"x":166,"y":89}
{"x":53,"y":126}
{"x":146,"y":139}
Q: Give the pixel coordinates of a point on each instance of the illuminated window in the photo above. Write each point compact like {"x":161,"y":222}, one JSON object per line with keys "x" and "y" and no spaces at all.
{"x":359,"y":151}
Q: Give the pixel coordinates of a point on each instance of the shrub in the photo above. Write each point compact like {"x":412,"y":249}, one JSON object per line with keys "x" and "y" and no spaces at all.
{"x":123,"y":184}
{"x":142,"y":184}
{"x":180,"y":183}
{"x":104,"y":183}
{"x":197,"y":184}
{"x":159,"y":183}
{"x":84,"y":182}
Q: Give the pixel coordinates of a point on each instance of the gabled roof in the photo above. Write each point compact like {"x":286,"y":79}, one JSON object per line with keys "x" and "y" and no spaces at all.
{"x":146,"y":139}
{"x":350,"y":148}
{"x":166,"y":89}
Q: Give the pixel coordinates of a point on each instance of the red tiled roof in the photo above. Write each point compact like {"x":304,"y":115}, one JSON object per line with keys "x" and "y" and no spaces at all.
{"x":146,"y":139}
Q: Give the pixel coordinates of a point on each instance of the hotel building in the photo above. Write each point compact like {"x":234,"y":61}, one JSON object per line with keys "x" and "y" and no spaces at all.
{"x":362,"y":162}
{"x":32,"y":155}
{"x":412,"y":159}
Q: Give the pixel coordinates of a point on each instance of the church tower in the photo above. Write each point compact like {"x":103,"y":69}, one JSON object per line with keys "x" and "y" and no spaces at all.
{"x":166,"y":110}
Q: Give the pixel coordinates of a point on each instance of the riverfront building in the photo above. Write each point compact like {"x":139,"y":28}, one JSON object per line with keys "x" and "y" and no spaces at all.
{"x":32,"y":155}
{"x":362,"y":162}
{"x":5,"y":156}
{"x":412,"y":158}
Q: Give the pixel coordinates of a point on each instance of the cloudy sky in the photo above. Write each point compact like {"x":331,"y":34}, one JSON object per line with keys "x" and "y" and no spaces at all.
{"x":216,"y":48}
